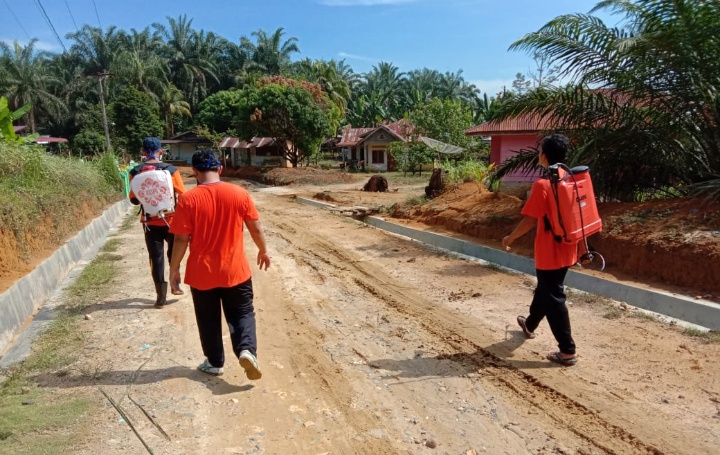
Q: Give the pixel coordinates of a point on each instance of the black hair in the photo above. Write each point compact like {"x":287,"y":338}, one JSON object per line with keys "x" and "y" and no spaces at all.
{"x":555,"y":147}
{"x":205,"y":160}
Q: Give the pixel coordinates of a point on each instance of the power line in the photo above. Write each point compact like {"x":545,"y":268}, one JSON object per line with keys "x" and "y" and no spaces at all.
{"x":49,"y":22}
{"x":71,"y":15}
{"x":97,"y":15}
{"x":16,"y":20}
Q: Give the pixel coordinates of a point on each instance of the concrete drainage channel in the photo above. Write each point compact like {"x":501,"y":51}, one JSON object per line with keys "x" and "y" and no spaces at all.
{"x":35,"y":291}
{"x":694,"y":311}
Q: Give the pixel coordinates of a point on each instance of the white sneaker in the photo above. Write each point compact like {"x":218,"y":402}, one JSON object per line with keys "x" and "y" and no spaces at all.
{"x":250,"y":364}
{"x":206,"y":367}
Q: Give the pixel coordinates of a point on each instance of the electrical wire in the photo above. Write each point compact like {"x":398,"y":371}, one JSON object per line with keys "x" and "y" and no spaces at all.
{"x":50,"y":24}
{"x":71,"y":15}
{"x":97,"y":15}
{"x":16,"y":20}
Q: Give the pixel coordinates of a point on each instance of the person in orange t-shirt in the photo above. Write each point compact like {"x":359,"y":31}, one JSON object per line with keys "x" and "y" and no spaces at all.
{"x":210,"y":219}
{"x":552,"y":258}
{"x":157,"y":230}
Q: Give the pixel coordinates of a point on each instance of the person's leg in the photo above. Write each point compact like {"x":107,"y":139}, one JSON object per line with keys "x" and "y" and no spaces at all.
{"x":237,"y":302}
{"x":155,"y":242}
{"x":538,"y":306}
{"x":240,"y":316}
{"x":557,"y":312}
{"x":207,"y":315}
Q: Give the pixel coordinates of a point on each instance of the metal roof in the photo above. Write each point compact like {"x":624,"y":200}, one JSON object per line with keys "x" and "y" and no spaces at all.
{"x":402,"y":129}
{"x":50,"y":140}
{"x":521,"y":124}
{"x":229,"y":142}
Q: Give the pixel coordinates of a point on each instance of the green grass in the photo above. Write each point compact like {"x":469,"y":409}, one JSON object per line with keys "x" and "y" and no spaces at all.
{"x":396,"y":179}
{"x":710,"y":337}
{"x":111,"y":246}
{"x":52,"y":422}
{"x":129,"y":222}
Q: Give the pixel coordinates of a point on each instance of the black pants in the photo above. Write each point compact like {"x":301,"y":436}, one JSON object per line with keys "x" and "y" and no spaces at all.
{"x":237,"y":304}
{"x":155,"y":238}
{"x":549,"y":301}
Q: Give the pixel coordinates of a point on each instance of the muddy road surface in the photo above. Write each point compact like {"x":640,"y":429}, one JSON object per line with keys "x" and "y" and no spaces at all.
{"x":373,"y":344}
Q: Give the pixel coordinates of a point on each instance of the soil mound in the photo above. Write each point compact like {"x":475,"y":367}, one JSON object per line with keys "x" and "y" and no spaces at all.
{"x":376,"y":184}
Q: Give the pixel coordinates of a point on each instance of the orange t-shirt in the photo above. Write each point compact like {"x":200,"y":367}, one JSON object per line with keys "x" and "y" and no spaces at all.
{"x":213,"y":215}
{"x":549,"y":254}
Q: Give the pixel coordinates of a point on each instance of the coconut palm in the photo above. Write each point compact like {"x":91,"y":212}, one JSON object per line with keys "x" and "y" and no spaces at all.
{"x":642,"y":102}
{"x":27,"y":78}
{"x":269,"y":54}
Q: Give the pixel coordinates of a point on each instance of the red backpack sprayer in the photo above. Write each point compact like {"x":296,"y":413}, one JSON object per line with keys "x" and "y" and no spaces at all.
{"x":573,"y":211}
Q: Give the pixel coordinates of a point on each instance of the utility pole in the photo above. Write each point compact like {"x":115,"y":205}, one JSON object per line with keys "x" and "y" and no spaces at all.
{"x":100,"y":78}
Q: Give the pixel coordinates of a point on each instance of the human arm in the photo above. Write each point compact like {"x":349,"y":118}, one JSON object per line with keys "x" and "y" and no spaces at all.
{"x":178,"y":183}
{"x":263,"y":260}
{"x":180,"y":245}
{"x":526,"y":224}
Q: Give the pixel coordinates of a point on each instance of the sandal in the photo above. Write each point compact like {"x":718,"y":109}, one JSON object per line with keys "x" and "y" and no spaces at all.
{"x":522,"y":323}
{"x":558,"y":358}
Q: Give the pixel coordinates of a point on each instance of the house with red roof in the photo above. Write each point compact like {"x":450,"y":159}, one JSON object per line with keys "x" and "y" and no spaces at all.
{"x":368,"y":146}
{"x":509,"y":136}
{"x":258,"y":151}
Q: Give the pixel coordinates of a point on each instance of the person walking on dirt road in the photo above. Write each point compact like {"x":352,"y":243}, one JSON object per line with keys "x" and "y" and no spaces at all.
{"x":210,"y":218}
{"x":552,"y":258}
{"x":157,"y":228}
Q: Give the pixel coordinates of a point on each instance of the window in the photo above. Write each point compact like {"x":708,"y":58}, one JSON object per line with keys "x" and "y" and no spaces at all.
{"x":378,"y":156}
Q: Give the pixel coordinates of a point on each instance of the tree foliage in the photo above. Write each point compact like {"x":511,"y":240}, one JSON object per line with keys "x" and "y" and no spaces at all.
{"x":135,"y":117}
{"x":288,"y":113}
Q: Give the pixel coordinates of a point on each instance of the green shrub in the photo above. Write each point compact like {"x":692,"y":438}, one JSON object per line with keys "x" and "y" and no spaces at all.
{"x":36,"y":187}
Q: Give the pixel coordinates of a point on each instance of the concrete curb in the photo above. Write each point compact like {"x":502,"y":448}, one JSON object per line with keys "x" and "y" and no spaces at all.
{"x":695,"y":311}
{"x":28,"y":294}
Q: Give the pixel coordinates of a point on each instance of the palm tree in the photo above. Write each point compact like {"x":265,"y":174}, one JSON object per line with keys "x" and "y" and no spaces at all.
{"x":140,"y":63}
{"x":385,"y":83}
{"x":97,"y":49}
{"x":642,"y":102}
{"x":172,"y":104}
{"x":269,"y":54}
{"x":191,"y":57}
{"x":28,"y":79}
{"x":326,"y":75}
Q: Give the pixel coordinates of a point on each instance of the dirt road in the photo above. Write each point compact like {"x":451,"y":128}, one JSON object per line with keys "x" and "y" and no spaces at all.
{"x":371,"y":344}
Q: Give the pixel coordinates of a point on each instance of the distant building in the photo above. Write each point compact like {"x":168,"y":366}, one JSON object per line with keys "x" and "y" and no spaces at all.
{"x":509,"y":136}
{"x":369,"y":145}
{"x":182,"y":146}
{"x":258,"y":151}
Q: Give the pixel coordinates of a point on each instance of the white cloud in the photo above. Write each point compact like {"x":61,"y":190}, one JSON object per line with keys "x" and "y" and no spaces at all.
{"x":492,"y":86}
{"x":358,"y":57}
{"x":363,"y":2}
{"x":39,"y":45}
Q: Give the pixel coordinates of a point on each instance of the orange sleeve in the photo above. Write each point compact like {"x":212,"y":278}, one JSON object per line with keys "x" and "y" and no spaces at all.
{"x":178,"y":183}
{"x":131,"y":195}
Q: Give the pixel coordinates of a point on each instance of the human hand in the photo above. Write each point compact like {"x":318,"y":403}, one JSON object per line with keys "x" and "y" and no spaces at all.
{"x":263,"y":260}
{"x":174,"y":279}
{"x":506,"y":242}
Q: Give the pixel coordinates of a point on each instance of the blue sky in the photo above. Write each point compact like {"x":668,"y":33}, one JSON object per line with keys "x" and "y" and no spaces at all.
{"x":445,"y":35}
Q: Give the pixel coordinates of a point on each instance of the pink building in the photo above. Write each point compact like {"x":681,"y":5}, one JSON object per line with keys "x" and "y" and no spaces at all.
{"x":509,"y":136}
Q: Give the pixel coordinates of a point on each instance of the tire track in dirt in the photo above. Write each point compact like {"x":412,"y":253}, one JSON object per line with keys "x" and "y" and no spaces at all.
{"x":517,"y":386}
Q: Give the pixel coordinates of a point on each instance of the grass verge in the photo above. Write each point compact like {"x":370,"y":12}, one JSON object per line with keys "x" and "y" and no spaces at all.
{"x":34,"y":420}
